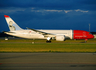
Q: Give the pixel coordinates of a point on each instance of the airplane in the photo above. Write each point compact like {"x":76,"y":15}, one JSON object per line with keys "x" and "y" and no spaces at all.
{"x":58,"y":35}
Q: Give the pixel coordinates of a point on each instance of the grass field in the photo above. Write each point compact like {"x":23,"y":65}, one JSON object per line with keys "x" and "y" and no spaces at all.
{"x":25,"y":45}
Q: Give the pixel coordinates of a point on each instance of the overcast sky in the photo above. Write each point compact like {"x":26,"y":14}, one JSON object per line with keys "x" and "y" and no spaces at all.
{"x":49,"y":14}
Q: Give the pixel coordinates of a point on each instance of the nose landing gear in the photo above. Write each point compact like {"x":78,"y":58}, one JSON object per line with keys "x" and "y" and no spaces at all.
{"x":86,"y":40}
{"x":48,"y":41}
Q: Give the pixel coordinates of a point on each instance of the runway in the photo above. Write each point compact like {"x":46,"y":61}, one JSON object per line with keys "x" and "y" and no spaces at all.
{"x":47,"y":61}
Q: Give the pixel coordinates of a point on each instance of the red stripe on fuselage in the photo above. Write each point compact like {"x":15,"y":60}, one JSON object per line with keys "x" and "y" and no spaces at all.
{"x":80,"y":34}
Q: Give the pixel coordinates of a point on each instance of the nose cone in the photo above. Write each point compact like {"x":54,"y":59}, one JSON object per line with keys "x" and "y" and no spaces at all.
{"x":91,"y":36}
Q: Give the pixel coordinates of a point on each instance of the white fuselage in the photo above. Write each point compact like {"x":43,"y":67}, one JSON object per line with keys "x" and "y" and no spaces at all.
{"x":35,"y":35}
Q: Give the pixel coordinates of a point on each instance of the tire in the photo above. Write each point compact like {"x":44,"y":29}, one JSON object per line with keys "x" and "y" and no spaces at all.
{"x":48,"y":41}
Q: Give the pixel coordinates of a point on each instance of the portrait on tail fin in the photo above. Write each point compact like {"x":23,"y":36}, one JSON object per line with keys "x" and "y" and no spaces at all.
{"x":12,"y":28}
{"x":11,"y":24}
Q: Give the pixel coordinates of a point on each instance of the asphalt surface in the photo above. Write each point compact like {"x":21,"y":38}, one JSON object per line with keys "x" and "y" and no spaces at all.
{"x":47,"y":61}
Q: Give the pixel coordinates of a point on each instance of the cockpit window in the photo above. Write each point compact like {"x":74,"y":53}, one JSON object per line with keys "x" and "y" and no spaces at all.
{"x":90,"y":33}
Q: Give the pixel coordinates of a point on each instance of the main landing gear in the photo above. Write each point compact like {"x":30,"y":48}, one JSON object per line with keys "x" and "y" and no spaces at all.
{"x":48,"y":41}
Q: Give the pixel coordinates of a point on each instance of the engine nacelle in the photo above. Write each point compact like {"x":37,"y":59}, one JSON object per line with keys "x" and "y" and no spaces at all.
{"x":60,"y":38}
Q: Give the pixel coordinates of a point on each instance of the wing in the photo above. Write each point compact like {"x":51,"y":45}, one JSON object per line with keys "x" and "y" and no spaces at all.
{"x":43,"y":33}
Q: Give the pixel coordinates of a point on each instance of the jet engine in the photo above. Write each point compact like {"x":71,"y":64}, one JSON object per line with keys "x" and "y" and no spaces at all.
{"x":60,"y":38}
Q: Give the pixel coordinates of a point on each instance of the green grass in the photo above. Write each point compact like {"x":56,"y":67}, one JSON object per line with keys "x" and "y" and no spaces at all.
{"x":25,"y":45}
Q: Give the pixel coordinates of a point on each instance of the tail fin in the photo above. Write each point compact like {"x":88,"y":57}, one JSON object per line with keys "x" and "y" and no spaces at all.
{"x":11,"y":24}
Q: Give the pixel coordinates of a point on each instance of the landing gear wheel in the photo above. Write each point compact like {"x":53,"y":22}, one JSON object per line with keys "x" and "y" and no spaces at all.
{"x":48,"y":41}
